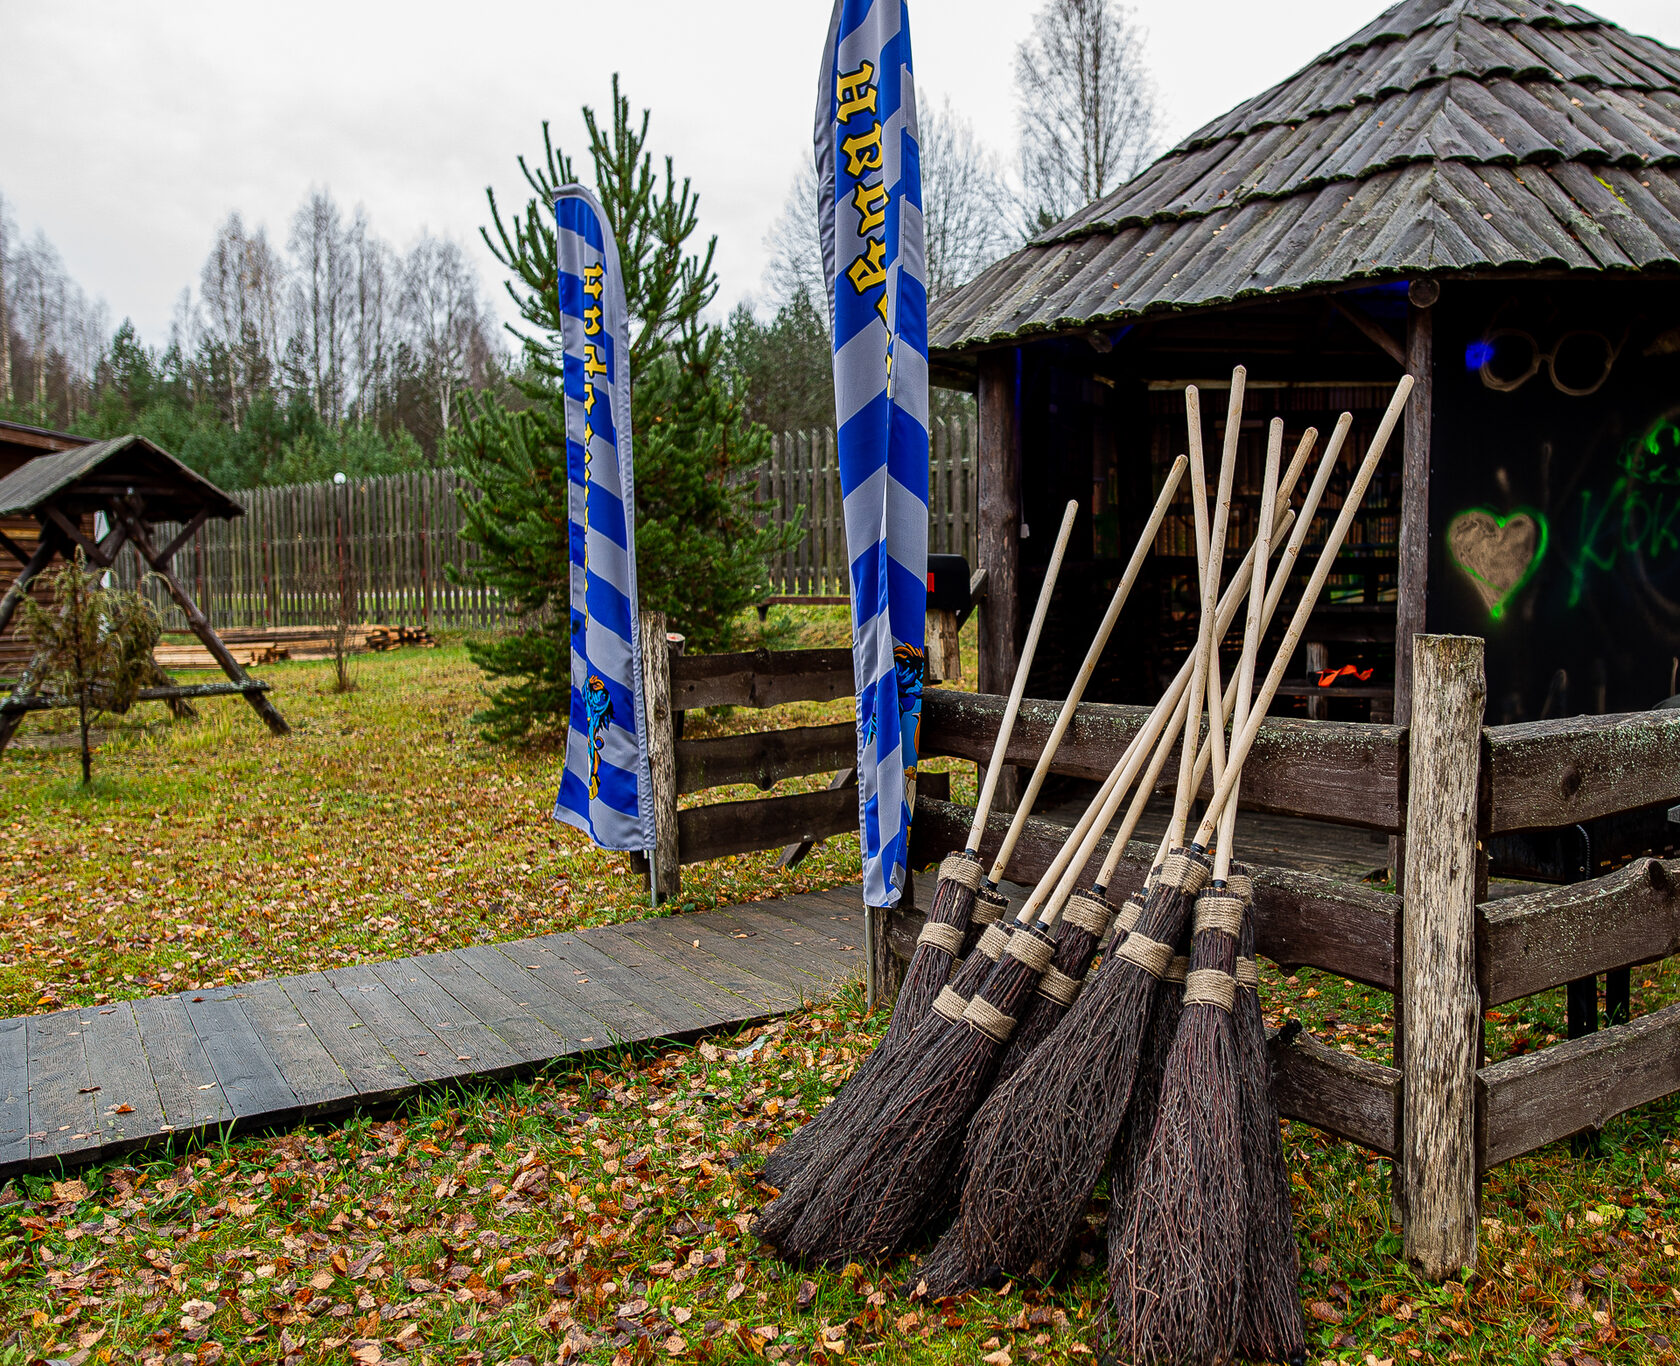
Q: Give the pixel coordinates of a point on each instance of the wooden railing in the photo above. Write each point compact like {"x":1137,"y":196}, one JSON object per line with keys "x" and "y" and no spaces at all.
{"x":1468,"y":955}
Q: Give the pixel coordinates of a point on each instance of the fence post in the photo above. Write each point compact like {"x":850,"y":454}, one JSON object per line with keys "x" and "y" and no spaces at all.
{"x":1442,"y":1008}
{"x":662,"y":755}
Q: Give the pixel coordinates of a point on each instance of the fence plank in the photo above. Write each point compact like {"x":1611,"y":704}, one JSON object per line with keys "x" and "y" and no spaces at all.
{"x":705,"y":832}
{"x":765,"y":757}
{"x":761,"y":678}
{"x":1535,"y":1099}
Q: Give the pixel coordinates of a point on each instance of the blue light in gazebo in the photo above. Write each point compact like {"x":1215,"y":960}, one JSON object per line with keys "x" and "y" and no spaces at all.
{"x":1477,"y":354}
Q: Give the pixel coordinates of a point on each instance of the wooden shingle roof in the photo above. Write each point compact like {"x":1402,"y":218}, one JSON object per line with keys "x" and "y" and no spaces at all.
{"x":1446,"y":136}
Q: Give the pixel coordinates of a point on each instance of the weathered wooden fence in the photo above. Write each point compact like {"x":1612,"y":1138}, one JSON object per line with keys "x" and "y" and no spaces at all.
{"x":1446,"y":786}
{"x":389,"y":541}
{"x":802,"y":472}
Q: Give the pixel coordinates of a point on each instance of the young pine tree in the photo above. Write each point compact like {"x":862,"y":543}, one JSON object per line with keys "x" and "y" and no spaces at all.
{"x":93,"y":645}
{"x":700,"y":557}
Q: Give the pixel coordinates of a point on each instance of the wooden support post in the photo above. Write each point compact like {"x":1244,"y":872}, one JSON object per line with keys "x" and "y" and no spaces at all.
{"x":1413,"y":576}
{"x":1318,"y":660}
{"x":666,"y":875}
{"x":998,"y":479}
{"x":944,"y":649}
{"x":200,"y":625}
{"x":1443,"y":1010}
{"x":44,"y":551}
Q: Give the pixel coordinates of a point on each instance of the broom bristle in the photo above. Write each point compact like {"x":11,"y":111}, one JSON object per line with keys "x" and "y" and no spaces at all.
{"x":1133,"y":1141}
{"x":1273,"y":1328}
{"x":783,"y":1166}
{"x":892,"y":1183}
{"x":1176,"y":1273}
{"x":938,"y":945}
{"x":1037,"y":1146}
{"x":825,"y":1139}
{"x":1084,"y":923}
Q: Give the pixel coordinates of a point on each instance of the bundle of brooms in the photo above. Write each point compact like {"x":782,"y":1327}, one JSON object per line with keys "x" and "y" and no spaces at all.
{"x":1166,"y":1079}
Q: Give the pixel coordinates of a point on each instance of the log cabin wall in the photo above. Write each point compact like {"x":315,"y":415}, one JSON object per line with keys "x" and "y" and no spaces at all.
{"x":19,"y":444}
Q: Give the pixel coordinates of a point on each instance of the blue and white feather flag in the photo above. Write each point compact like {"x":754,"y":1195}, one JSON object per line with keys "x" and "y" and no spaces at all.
{"x":870,"y":207}
{"x":606,"y":791}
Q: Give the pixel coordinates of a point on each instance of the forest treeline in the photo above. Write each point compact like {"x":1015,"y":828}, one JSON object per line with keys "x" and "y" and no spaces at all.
{"x":334,"y":350}
{"x":287,"y":362}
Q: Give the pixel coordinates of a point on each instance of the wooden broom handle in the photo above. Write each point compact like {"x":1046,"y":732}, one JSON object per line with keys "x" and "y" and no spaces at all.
{"x":1099,"y":642}
{"x":1251,"y":641}
{"x":1158,"y":734}
{"x":1309,"y":599}
{"x":988,"y":789}
{"x":1063,"y":866}
{"x":1211,"y":542}
{"x":1279,"y":581}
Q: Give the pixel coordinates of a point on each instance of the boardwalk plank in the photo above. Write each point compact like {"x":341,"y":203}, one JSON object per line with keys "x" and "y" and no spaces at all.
{"x":117,"y":1065}
{"x":366,"y":1062}
{"x":764,"y":953}
{"x":622,"y":1007}
{"x":307,"y":1064}
{"x":61,"y":1109}
{"x":711,"y":1002}
{"x":249,"y":1077}
{"x":517,"y":1026}
{"x":817,"y":955}
{"x":510,"y":973}
{"x":284,"y":1048}
{"x":14,"y":1093}
{"x":186,"y":1082}
{"x":420,"y":1052}
{"x":717,"y":959}
{"x":469,"y":1041}
{"x":815,"y":926}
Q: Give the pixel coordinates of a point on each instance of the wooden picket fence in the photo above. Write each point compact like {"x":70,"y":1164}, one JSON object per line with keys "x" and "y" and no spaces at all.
{"x":391,"y":540}
{"x":802,"y":472}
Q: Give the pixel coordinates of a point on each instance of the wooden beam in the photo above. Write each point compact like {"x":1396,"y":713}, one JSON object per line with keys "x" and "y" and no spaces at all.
{"x":760,"y":678}
{"x":200,"y":624}
{"x":1301,"y":919}
{"x":1379,"y":335}
{"x":1548,"y":773}
{"x":1328,"y":770}
{"x":705,"y":832}
{"x":1538,"y":1098}
{"x":77,"y":537}
{"x":998,"y":496}
{"x":1335,"y":1091}
{"x":764,"y":758}
{"x":1411,"y":615}
{"x":186,"y":533}
{"x":47,"y":547}
{"x":1530,"y":943}
{"x":35,"y":702}
{"x":666,"y":873}
{"x":797,"y":852}
{"x":12,"y":548}
{"x":1443,"y":1012}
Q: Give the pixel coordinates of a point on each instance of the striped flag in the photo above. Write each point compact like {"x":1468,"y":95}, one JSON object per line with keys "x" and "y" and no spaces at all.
{"x":606,"y":790}
{"x":870,"y":207}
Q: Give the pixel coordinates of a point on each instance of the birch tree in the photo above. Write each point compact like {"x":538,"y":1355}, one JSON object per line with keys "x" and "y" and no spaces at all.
{"x":1087,"y":107}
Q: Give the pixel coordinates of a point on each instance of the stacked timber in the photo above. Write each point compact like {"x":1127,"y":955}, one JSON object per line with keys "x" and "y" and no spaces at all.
{"x":266,"y":645}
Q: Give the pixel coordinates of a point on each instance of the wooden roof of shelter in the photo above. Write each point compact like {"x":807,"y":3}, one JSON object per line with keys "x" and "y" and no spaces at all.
{"x":157,"y":485}
{"x":1447,"y":136}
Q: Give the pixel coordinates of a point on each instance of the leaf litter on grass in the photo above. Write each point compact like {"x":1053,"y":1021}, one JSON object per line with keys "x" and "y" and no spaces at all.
{"x":596,"y":1213}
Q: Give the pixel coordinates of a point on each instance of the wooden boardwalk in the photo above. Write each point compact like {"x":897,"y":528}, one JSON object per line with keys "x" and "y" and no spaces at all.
{"x":81,"y":1086}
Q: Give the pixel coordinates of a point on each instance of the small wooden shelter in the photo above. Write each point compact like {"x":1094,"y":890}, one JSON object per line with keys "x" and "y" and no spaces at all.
{"x":135,"y":485}
{"x":1484,"y":193}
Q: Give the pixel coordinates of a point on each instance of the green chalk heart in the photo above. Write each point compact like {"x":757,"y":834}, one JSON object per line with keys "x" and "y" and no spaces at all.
{"x":1499,"y":554}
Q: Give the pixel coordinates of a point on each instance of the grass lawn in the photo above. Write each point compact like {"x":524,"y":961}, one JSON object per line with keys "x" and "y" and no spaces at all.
{"x":596,"y":1213}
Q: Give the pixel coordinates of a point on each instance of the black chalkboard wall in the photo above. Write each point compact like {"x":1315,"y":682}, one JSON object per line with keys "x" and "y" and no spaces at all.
{"x":1555,"y":515}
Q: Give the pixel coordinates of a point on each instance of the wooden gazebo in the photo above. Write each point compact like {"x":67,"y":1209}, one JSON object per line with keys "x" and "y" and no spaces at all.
{"x":1485,"y":193}
{"x":136,"y":486}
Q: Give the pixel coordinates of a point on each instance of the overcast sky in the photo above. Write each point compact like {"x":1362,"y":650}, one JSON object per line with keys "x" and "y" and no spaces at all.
{"x":131,"y":129}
